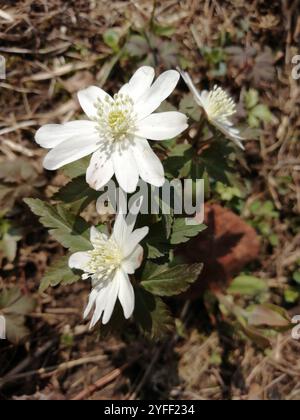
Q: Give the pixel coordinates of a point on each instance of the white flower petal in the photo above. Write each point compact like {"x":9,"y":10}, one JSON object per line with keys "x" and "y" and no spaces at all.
{"x":133,"y":240}
{"x":88,"y":99}
{"x":71,"y":150}
{"x":101,"y":300}
{"x":123,"y":227}
{"x":120,"y":229}
{"x":100,"y":170}
{"x":197,"y":95}
{"x":79,"y":260}
{"x":126,"y":294}
{"x":92,"y":299}
{"x":134,"y":260}
{"x":157,"y":93}
{"x":162,"y":126}
{"x":149,"y":166}
{"x":96,"y":236}
{"x":125,"y":168}
{"x":51,"y":135}
{"x":111,"y":299}
{"x":231,"y":133}
{"x":139,"y":83}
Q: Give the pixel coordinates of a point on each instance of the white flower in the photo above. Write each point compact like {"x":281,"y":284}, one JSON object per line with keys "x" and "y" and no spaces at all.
{"x":219,"y":107}
{"x":109,"y":264}
{"x":117,"y":132}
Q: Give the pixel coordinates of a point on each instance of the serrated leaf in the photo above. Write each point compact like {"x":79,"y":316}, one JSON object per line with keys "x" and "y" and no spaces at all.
{"x":182,"y":232}
{"x":215,"y":161}
{"x":59,"y":273}
{"x":76,"y":189}
{"x":153,"y":252}
{"x":248,"y":285}
{"x":157,"y":242}
{"x":152,"y":314}
{"x":162,"y":280}
{"x":68,"y":229}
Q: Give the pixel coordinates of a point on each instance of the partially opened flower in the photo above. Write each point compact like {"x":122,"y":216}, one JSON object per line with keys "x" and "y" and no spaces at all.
{"x":219,"y":107}
{"x":117,"y":132}
{"x":109,"y":264}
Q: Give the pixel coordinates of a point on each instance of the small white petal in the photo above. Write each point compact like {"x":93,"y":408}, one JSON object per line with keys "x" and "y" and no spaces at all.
{"x":157,"y":93}
{"x":111,"y":299}
{"x":125,"y":168}
{"x":79,"y":260}
{"x":88,"y":99}
{"x":197,"y":95}
{"x":71,"y":150}
{"x":126,"y":294}
{"x":162,"y":126}
{"x":123,"y":227}
{"x":149,"y":165}
{"x":139,"y":83}
{"x":133,"y":240}
{"x":92,"y":299}
{"x":96,"y":236}
{"x":133,"y":261}
{"x":51,"y":135}
{"x":100,"y":170}
{"x":231,"y":133}
{"x":101,"y":300}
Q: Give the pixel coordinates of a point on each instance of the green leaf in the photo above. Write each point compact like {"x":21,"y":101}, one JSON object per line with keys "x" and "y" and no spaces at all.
{"x":111,"y":39}
{"x":137,"y":46}
{"x":189,"y":107}
{"x":14,"y":307}
{"x":291,"y":295}
{"x":263,"y":113}
{"x":162,"y":280}
{"x":152,"y":314}
{"x":256,"y":336}
{"x":215,"y":161}
{"x":182,"y":232}
{"x":247,"y":285}
{"x":160,"y":30}
{"x":296,"y":277}
{"x":251,"y":98}
{"x":59,"y":273}
{"x":157,"y":242}
{"x":76,"y":189}
{"x":70,"y":230}
{"x":78,"y":168}
{"x":268,"y":315}
{"x":178,"y":164}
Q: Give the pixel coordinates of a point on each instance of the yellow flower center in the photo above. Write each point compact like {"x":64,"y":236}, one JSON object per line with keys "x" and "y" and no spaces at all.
{"x":105,"y":258}
{"x":219,"y":105}
{"x":116,"y":118}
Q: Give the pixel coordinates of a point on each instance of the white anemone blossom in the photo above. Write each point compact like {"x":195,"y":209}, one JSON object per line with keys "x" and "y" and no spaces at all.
{"x":117,"y":131}
{"x":109,"y":264}
{"x":218,"y":107}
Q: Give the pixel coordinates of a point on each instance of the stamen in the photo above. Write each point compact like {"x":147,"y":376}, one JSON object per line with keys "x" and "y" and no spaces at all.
{"x":105,"y":258}
{"x":219,"y":105}
{"x":116,"y":118}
